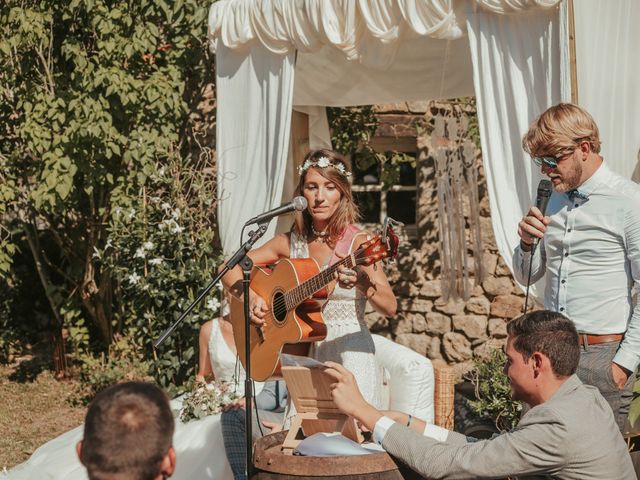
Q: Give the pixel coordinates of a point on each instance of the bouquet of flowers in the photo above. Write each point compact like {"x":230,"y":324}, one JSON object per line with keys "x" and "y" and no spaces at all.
{"x":206,"y":399}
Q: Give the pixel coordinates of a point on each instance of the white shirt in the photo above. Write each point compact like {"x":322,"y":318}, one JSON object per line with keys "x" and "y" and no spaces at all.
{"x":590,"y":254}
{"x":384,"y":423}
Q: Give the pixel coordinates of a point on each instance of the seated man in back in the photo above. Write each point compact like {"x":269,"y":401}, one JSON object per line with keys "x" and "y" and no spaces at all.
{"x":128,"y":434}
{"x":569,"y":432}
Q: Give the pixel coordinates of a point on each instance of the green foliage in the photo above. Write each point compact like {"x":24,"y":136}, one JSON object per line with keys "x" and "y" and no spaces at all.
{"x":161,"y":253}
{"x":95,"y":97}
{"x":634,"y":409}
{"x":352,"y":129}
{"x":493,"y":392}
{"x":124,"y":362}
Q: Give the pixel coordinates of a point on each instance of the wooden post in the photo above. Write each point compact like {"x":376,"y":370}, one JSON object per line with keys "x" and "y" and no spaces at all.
{"x":573,"y":65}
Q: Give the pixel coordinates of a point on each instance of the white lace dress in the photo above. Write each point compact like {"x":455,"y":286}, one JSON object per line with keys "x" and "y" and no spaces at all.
{"x":198,"y":444}
{"x":348,"y":340}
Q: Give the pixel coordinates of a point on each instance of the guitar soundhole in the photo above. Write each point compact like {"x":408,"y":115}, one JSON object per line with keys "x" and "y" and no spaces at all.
{"x":279,"y":307}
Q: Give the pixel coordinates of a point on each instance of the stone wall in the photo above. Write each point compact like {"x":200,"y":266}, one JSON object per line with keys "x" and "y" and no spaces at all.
{"x":453,"y":331}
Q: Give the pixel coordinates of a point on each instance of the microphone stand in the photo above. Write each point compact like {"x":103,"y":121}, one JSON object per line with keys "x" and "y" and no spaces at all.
{"x":239,"y":258}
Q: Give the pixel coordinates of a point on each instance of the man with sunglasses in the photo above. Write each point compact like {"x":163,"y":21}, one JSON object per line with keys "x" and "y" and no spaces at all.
{"x":588,"y":250}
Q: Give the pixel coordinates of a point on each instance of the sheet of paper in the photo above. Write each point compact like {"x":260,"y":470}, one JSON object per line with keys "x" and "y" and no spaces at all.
{"x":329,"y":444}
{"x":288,"y":360}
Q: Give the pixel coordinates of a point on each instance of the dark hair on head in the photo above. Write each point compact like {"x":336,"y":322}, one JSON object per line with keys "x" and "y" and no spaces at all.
{"x":550,"y":333}
{"x":128,"y":431}
{"x":347,"y":212}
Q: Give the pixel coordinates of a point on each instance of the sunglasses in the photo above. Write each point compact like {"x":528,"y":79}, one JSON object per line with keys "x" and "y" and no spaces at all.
{"x":551,"y":162}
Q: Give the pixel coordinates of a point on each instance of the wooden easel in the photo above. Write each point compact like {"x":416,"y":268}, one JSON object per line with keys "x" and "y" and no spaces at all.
{"x":316,"y":412}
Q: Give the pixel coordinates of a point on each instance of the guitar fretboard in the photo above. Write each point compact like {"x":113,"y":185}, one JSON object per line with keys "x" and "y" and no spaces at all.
{"x":306,"y":289}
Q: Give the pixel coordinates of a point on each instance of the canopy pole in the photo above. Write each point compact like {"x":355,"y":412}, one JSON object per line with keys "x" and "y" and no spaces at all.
{"x":573,"y":65}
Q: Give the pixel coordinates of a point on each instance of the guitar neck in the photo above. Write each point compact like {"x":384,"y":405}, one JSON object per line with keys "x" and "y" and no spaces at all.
{"x":306,"y":289}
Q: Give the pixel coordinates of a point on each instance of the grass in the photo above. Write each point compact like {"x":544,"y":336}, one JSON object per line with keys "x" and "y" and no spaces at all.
{"x":33,"y":409}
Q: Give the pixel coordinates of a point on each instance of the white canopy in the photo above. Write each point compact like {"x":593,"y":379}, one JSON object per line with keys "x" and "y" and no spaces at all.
{"x":279,"y":55}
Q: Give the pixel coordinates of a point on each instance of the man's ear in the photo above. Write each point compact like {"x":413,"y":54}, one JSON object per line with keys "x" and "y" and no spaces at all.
{"x":585,"y":149}
{"x":168,"y":465}
{"x":538,"y":360}
{"x":79,"y":451}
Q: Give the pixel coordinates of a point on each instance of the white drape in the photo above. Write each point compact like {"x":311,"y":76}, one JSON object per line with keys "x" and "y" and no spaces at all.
{"x":607,"y":44}
{"x":254,"y":101}
{"x":517,"y":66}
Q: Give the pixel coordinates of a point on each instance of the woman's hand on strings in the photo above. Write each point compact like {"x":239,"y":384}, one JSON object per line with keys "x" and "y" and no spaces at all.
{"x":257,"y":308}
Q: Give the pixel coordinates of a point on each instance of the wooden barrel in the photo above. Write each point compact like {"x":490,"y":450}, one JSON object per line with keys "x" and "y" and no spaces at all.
{"x":272,"y":464}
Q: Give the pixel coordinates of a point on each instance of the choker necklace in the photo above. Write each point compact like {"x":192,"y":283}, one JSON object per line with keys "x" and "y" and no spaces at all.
{"x":319,"y":235}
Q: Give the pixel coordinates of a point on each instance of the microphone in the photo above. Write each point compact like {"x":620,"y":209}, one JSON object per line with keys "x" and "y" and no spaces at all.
{"x":298,"y":204}
{"x":544,"y":193}
{"x":542,"y":200}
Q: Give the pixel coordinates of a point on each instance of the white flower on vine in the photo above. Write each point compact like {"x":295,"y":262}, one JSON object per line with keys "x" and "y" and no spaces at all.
{"x":156,"y":261}
{"x":145,"y":287}
{"x":140,"y":253}
{"x":133,"y":278}
{"x":148,"y":245}
{"x":213,"y":304}
{"x":132,"y":214}
{"x":165,"y":206}
{"x":161,"y":171}
{"x":176,"y":214}
{"x":177,"y":228}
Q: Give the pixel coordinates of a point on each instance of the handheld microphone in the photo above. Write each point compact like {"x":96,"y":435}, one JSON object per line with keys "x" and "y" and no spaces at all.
{"x":298,"y":204}
{"x":544,"y":193}
{"x":545,"y":188}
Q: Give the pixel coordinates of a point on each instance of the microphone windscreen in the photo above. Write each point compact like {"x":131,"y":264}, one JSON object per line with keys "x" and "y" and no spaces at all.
{"x":299,"y":203}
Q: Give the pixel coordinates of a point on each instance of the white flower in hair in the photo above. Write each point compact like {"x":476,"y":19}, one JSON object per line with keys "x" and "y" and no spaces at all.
{"x":323,"y":162}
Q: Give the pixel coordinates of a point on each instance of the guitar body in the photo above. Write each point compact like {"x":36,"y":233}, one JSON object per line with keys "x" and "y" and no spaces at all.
{"x":303,"y":324}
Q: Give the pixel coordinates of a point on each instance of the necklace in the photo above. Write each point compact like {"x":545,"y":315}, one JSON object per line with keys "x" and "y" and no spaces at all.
{"x":319,"y":235}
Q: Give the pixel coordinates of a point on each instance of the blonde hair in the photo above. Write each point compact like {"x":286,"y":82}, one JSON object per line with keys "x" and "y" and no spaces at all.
{"x":347,"y":211}
{"x":559,"y":130}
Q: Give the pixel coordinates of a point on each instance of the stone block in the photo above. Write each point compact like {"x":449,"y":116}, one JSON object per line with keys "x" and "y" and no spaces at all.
{"x":405,"y":289}
{"x":484,"y":350}
{"x":507,"y":306}
{"x":402,"y":324}
{"x":419,"y":322}
{"x":437,"y":323}
{"x":416,"y":342}
{"x":376,"y":321}
{"x":431,"y":289}
{"x":457,"y":348}
{"x":489,"y":262}
{"x":415,"y":305}
{"x":473,"y":326}
{"x":434,"y":348}
{"x":497,"y":286}
{"x":452,"y":307}
{"x":478,"y":305}
{"x":497,"y":328}
{"x":501,"y":269}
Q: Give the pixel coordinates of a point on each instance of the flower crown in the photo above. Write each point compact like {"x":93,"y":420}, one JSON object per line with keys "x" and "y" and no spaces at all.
{"x":323,"y":162}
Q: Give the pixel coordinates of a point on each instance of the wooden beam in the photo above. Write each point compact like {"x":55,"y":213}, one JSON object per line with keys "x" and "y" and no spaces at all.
{"x":573,"y":65}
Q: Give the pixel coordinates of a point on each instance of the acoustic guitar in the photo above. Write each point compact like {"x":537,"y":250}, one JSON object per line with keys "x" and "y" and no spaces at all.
{"x":294,"y":317}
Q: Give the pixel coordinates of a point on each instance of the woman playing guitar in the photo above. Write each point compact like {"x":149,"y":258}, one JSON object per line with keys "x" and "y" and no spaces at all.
{"x":325,"y":231}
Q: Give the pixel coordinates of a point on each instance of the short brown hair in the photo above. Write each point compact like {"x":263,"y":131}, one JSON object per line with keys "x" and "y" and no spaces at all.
{"x":127,"y":432}
{"x":559,"y":130}
{"x":550,"y":333}
{"x":347,"y":212}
